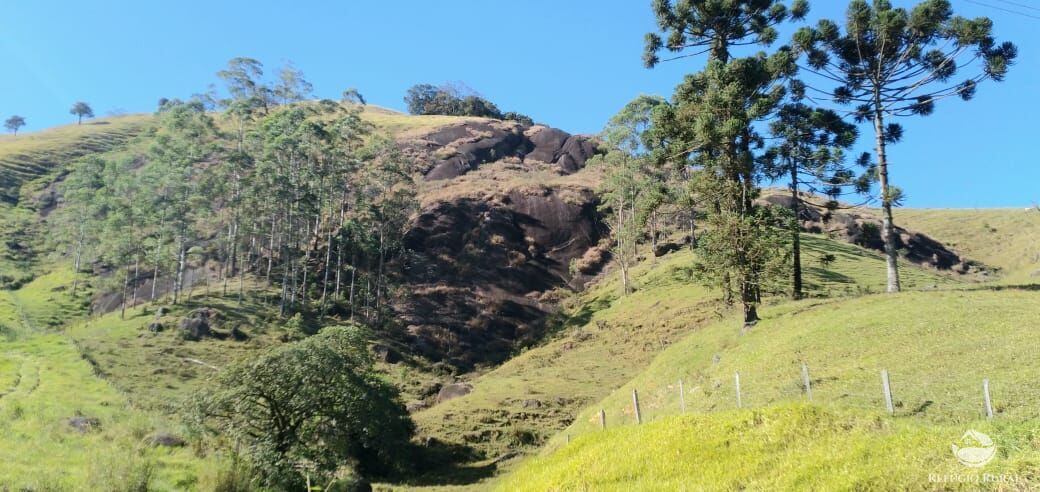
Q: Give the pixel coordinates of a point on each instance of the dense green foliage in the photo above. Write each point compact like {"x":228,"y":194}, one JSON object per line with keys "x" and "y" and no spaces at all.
{"x":289,"y":190}
{"x":455,"y":100}
{"x":710,"y":126}
{"x":309,"y":408}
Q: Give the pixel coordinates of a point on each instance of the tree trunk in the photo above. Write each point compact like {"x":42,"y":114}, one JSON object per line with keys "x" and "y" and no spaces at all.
{"x":122,"y":298}
{"x":137,"y":273}
{"x":179,"y":282}
{"x":887,"y":225}
{"x":796,"y":240}
{"x":693,"y":228}
{"x":76,"y":265}
{"x":328,"y":263}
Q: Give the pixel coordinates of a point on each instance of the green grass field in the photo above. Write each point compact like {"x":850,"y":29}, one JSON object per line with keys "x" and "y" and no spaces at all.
{"x":45,"y":381}
{"x":937,"y":346}
{"x":1005,"y":238}
{"x":792,"y":446}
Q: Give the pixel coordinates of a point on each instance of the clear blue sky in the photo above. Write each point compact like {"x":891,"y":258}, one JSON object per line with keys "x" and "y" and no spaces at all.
{"x":569,"y":63}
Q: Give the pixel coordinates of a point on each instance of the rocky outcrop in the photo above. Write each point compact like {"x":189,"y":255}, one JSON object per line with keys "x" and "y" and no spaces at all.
{"x":485,"y":256}
{"x":458,"y":149}
{"x":863,"y":228}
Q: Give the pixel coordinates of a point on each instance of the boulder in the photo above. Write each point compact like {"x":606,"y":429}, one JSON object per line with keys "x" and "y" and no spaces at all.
{"x":198,"y":323}
{"x":83,"y":424}
{"x":155,"y":327}
{"x":664,"y":248}
{"x":164,"y":439}
{"x":452,"y":391}
{"x":532,"y":404}
{"x":385,"y":354}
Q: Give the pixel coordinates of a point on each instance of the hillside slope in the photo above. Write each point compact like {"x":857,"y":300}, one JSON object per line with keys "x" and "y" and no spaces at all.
{"x":604,"y":340}
{"x":937,"y":346}
{"x":1005,"y":238}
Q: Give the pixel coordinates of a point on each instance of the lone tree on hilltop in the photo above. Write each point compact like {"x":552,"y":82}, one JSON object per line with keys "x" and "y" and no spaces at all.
{"x":81,"y":110}
{"x":14,"y":123}
{"x":891,"y":62}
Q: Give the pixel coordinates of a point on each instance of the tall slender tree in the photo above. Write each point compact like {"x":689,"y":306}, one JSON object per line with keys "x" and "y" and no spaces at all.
{"x":808,"y":152}
{"x":891,"y":62}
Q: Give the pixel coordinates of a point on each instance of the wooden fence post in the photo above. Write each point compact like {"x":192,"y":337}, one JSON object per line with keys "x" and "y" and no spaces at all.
{"x":985,"y":395}
{"x":682,"y":398}
{"x":806,"y":381}
{"x":635,"y":404}
{"x":886,"y":385}
{"x":740,"y":404}
{"x":602,"y":419}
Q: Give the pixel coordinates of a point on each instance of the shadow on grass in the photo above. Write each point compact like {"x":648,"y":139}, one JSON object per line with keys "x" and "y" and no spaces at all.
{"x":441,"y":464}
{"x":829,"y":276}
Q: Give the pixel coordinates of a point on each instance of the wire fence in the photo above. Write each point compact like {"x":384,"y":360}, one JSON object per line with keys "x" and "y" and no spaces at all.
{"x":953,"y":399}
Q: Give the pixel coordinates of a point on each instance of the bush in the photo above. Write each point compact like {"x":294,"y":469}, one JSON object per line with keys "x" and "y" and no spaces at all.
{"x":448,"y":100}
{"x":315,"y":404}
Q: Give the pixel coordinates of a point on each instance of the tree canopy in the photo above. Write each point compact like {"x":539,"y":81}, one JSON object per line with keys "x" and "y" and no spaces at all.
{"x":14,"y":123}
{"x":455,"y":100}
{"x":81,"y":110}
{"x":309,"y":407}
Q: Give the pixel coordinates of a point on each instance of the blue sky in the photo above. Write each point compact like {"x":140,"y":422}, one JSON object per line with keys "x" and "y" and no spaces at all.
{"x":571,"y":64}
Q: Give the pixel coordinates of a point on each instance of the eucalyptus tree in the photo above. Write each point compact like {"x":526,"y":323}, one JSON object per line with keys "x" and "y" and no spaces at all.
{"x":710,"y":126}
{"x":808,"y":151}
{"x":184,"y":141}
{"x":77,"y":221}
{"x":243,"y":79}
{"x":892,"y":62}
{"x":384,"y":203}
{"x":631,"y":188}
{"x":14,"y":123}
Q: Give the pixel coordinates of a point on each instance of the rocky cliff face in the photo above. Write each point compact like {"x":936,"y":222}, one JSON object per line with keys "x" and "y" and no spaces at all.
{"x":505,"y":210}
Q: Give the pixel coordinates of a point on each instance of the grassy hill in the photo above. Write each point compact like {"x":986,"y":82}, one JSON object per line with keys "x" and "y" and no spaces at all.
{"x":938,"y":340}
{"x":45,"y":382}
{"x":938,"y":346}
{"x":604,"y":340}
{"x":1006,"y":238}
{"x":29,"y":156}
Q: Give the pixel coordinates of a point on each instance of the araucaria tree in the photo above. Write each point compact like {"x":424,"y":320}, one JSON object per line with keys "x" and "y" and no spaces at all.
{"x":710,"y":126}
{"x":891,"y":62}
{"x":14,"y":123}
{"x":81,"y":110}
{"x":808,"y":152}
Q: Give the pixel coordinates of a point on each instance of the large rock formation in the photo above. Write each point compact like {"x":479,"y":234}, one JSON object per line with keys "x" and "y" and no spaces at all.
{"x":507,"y":209}
{"x":863,"y":227}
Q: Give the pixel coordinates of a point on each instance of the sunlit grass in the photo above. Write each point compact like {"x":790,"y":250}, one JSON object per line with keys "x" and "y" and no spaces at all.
{"x":785,"y":447}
